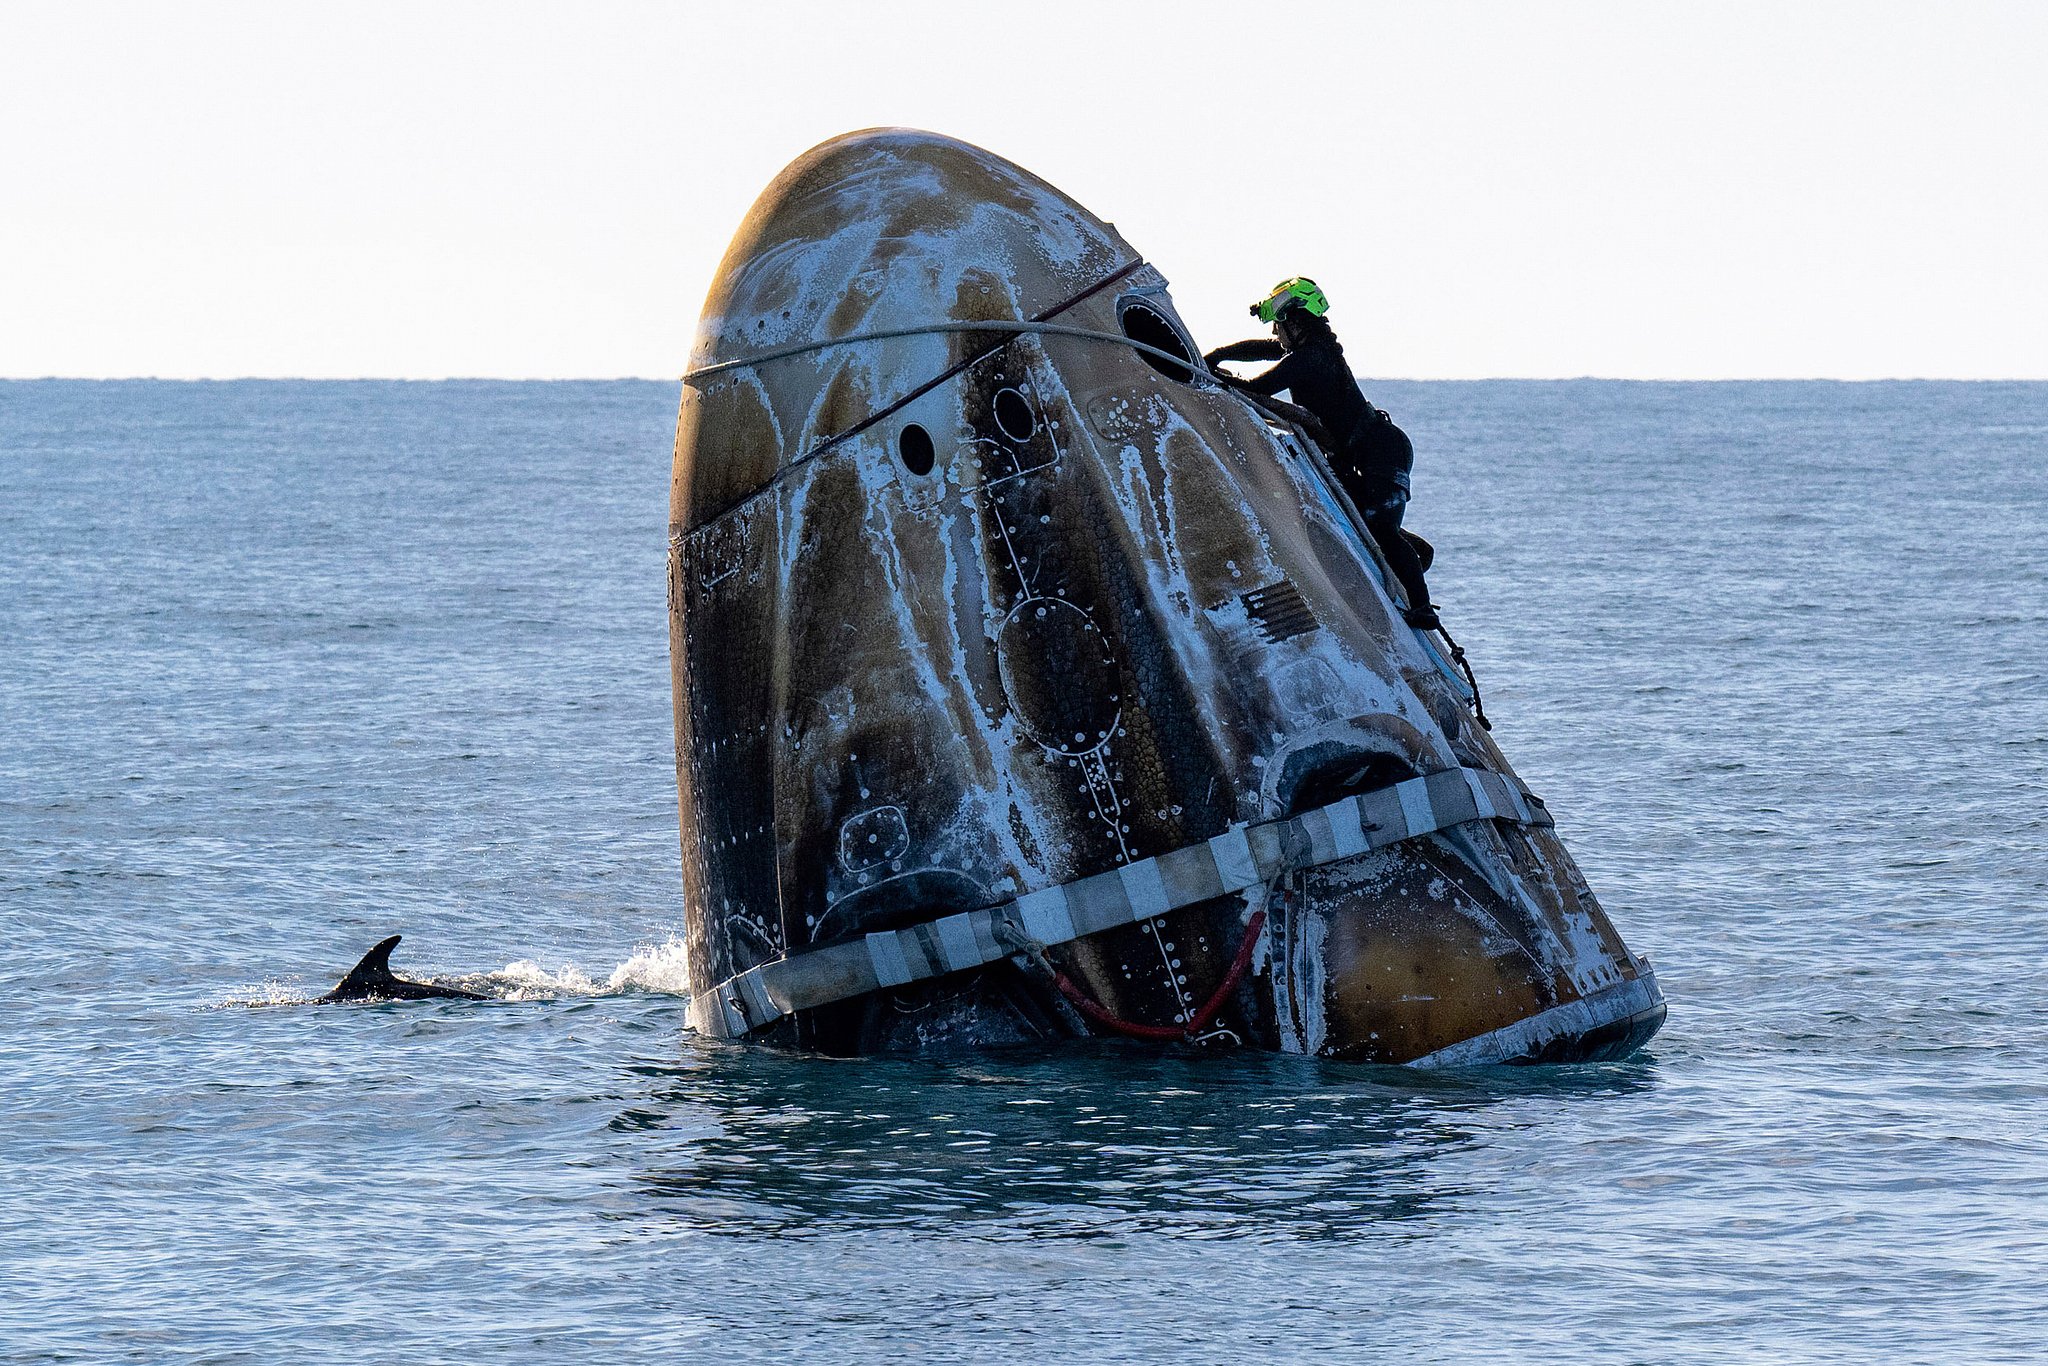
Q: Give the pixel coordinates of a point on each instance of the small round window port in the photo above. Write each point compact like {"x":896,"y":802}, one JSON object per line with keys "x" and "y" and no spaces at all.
{"x":915,"y":446}
{"x":1014,"y":416}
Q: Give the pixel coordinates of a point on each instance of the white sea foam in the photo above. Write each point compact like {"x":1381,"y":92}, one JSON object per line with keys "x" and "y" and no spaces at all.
{"x":272,"y":991}
{"x":656,"y":969}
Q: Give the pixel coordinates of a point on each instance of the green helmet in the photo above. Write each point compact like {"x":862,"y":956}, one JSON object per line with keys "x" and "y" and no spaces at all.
{"x":1288,"y":294}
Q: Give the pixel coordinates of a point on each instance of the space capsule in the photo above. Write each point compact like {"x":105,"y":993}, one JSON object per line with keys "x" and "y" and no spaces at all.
{"x":1032,"y":684}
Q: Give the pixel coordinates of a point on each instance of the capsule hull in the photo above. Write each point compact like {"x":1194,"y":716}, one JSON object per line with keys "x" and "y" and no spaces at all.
{"x":981,"y":589}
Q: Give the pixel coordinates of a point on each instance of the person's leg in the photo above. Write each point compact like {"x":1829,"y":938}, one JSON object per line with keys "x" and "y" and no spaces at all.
{"x":1384,"y":523}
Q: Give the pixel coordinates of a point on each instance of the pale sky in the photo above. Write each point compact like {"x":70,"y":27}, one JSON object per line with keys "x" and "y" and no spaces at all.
{"x":1623,"y":189}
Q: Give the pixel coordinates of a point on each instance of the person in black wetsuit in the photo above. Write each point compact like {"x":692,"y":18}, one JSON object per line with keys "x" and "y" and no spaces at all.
{"x":1369,"y":454}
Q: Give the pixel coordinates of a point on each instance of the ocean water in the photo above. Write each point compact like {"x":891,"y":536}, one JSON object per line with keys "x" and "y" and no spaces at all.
{"x":285,"y":667}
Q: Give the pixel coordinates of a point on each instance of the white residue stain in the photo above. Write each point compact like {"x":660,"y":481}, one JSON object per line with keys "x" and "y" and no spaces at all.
{"x":1306,"y":973}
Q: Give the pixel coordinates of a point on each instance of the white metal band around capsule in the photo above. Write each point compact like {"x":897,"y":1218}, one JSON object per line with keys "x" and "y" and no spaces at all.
{"x":1241,"y":857}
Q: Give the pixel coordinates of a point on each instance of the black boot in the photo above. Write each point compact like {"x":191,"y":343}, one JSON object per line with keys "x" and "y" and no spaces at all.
{"x":1423,"y":618}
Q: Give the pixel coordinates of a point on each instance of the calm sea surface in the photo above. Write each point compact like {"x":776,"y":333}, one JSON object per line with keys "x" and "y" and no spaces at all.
{"x":286,"y":667}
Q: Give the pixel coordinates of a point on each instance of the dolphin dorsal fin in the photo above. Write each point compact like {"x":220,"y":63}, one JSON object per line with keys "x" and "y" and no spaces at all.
{"x":373,"y":975}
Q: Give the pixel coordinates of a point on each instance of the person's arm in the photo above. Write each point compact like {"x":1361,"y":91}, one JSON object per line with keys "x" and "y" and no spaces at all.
{"x":1304,"y":419}
{"x":1257,"y":348}
{"x":1281,"y":376}
{"x":1286,"y":412}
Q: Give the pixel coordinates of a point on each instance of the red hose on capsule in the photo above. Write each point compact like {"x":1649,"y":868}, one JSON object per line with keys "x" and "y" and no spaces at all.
{"x":1197,"y":1022}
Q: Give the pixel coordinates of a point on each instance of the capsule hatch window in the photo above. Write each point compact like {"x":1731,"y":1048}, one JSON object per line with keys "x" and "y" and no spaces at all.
{"x":1149,"y":326}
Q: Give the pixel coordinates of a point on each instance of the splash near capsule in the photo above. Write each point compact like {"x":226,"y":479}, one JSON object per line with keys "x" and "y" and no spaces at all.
{"x":1031,"y":684}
